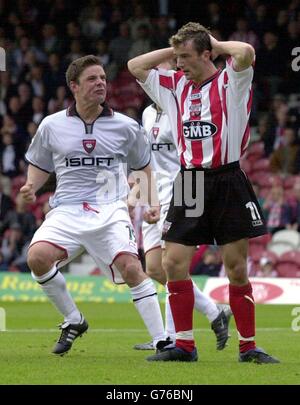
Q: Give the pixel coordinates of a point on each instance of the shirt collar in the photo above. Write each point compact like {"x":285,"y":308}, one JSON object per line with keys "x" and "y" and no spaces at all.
{"x":106,"y":112}
{"x":206,"y":81}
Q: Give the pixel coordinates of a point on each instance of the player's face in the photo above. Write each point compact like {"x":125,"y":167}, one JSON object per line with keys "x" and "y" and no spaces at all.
{"x":190,"y":61}
{"x":92,"y":85}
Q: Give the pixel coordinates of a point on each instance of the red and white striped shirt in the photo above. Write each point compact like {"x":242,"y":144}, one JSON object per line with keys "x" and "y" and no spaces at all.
{"x":210,"y":121}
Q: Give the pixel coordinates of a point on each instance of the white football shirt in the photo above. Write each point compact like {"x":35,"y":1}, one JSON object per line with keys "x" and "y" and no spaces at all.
{"x":89,"y":159}
{"x":164,"y":157}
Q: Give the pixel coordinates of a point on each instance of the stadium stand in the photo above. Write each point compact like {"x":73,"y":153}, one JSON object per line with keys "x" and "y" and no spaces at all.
{"x":289,"y":264}
{"x":279,"y":248}
{"x":288,"y":236}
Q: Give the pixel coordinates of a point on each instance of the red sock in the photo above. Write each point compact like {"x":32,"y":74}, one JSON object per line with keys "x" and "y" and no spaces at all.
{"x":243,"y":308}
{"x":182,"y":304}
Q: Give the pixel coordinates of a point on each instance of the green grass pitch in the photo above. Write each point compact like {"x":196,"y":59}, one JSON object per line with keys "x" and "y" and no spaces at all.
{"x":105,"y":355}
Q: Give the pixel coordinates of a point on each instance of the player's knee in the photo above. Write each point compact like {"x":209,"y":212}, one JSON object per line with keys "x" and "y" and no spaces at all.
{"x":159,"y":277}
{"x":132,"y":270}
{"x":38,"y":261}
{"x":156,"y":273}
{"x":171,"y":266}
{"x":237,"y":272}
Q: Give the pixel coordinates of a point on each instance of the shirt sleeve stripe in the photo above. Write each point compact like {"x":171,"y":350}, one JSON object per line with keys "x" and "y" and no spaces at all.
{"x":32,"y":164}
{"x":143,"y":167}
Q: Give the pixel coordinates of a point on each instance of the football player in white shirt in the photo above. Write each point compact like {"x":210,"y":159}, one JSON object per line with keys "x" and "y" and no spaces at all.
{"x":165,"y":164}
{"x":86,"y":146}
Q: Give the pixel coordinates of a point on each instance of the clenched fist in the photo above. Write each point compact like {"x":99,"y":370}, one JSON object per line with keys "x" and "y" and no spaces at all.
{"x":28,"y":193}
{"x":152,"y":215}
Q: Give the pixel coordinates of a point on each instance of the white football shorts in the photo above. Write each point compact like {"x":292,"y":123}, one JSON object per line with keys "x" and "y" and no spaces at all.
{"x":152,"y":233}
{"x":104,"y":232}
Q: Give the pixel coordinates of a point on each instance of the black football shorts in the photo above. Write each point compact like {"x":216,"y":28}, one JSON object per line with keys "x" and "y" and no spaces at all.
{"x":231,"y":210}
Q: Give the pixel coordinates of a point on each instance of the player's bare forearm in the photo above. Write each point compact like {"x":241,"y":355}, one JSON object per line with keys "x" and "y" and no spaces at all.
{"x":145,"y":191}
{"x":152,"y":188}
{"x":242,"y":53}
{"x":141,"y":65}
{"x":134,"y":195}
{"x":36,"y":178}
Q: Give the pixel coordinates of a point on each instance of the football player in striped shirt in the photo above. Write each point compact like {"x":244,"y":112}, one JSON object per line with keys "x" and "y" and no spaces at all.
{"x":165,"y":165}
{"x":209,"y":114}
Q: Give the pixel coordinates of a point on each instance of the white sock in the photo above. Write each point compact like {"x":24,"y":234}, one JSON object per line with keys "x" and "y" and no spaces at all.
{"x":204,"y":304}
{"x":145,"y":299}
{"x":53,"y":284}
{"x":169,"y":323}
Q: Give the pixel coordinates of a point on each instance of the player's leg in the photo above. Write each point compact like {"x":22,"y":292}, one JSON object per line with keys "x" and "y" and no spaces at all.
{"x":117,"y":258}
{"x":217,"y":317}
{"x":234,"y":256}
{"x":153,"y":250}
{"x":205,"y":305}
{"x":176,"y":262}
{"x":242,"y":302}
{"x":143,"y":293}
{"x":154,"y":256}
{"x":232,"y":235}
{"x":51,"y":248}
{"x":42,"y":259}
{"x":155,"y":272}
{"x":154,"y":268}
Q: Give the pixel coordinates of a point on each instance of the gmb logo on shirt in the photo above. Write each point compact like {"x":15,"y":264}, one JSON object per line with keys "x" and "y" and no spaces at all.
{"x":196,"y":130}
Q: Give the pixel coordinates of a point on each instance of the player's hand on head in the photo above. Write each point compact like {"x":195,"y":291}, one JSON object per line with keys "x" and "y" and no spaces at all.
{"x":152,"y":215}
{"x":214,"y":45}
{"x":28,"y":193}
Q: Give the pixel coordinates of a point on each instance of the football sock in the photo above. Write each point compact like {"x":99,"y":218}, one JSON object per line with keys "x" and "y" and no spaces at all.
{"x":169,"y":323}
{"x":53,"y":284}
{"x":146,"y":302}
{"x":243,"y":309}
{"x":205,"y":305}
{"x":202,"y":304}
{"x":181,"y":297}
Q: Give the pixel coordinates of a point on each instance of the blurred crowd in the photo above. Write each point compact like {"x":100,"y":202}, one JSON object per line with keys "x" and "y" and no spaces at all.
{"x":41,"y":37}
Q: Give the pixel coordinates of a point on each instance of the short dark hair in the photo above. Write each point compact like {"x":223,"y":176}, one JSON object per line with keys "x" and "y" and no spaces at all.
{"x":193,"y":31}
{"x":79,"y":65}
